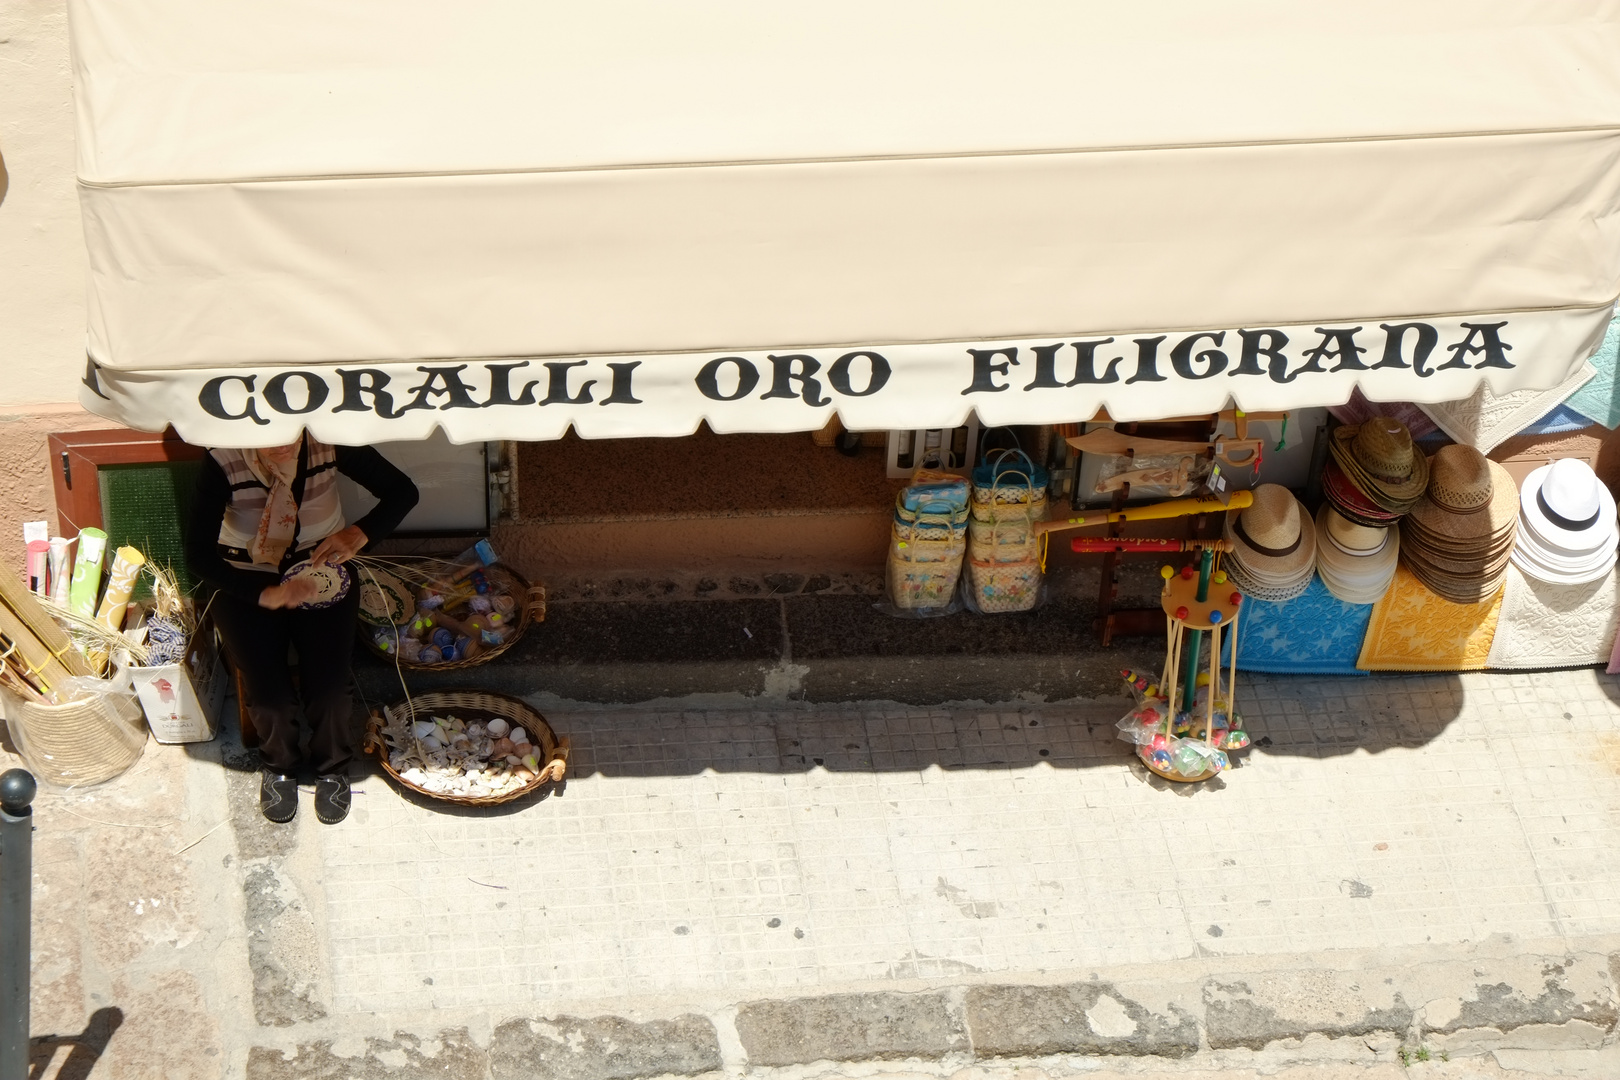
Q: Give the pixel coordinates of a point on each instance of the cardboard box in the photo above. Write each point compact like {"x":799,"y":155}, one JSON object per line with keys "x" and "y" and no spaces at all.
{"x":1523,"y":454}
{"x":182,"y":702}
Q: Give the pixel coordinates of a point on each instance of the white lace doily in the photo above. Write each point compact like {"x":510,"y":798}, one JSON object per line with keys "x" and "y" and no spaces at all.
{"x":1484,"y":421}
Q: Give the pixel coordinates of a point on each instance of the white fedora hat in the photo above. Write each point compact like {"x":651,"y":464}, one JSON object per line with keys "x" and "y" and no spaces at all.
{"x":1567,"y":507}
{"x":1537,"y":561}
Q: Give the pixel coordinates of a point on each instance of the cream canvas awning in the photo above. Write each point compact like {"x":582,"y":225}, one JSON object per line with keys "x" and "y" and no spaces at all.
{"x":630,"y":216}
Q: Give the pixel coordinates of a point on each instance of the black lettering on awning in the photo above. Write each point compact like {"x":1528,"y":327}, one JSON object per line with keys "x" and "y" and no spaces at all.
{"x":795,"y":368}
{"x":985,"y":369}
{"x":1491,"y":346}
{"x":708,"y":379}
{"x":620,"y":392}
{"x":211,"y":399}
{"x":361,"y":383}
{"x":1394,"y":345}
{"x":1214,"y":360}
{"x":876,"y":379}
{"x":500,"y":385}
{"x":315,"y":392}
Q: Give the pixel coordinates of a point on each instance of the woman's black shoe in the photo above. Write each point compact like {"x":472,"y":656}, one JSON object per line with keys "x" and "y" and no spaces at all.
{"x":332,"y":798}
{"x":278,"y":796}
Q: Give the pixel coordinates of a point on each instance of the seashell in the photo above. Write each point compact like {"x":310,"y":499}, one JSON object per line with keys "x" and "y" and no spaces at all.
{"x":432,"y":742}
{"x":422,"y":728}
{"x":513,"y":759}
{"x":519,"y":735}
{"x":502,"y":748}
{"x":498,"y":727}
{"x":531,"y":763}
{"x":525,"y":776}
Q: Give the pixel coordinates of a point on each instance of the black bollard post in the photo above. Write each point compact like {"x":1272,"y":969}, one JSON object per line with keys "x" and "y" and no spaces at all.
{"x":17,"y":789}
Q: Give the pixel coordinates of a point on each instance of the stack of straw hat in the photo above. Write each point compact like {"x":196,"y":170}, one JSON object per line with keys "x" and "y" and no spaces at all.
{"x":1356,"y":562}
{"x":1567,"y":529}
{"x":1375,"y":475}
{"x":1273,"y":546}
{"x":1459,"y":537}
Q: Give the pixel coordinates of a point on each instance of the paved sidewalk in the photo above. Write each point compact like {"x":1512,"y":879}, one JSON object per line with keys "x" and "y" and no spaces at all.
{"x":1402,"y":865}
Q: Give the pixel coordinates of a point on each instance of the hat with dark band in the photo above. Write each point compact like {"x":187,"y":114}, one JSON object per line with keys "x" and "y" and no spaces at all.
{"x":1377,"y":457}
{"x":1568,"y":530}
{"x":1273,"y":545}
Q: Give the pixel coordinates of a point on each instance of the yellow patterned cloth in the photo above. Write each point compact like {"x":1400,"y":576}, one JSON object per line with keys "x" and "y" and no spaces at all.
{"x":1412,"y":629}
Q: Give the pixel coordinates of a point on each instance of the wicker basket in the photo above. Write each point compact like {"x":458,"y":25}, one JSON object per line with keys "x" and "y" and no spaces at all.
{"x":1011,"y":539}
{"x":474,"y":705}
{"x":531,"y":609}
{"x":1000,"y":587}
{"x":83,"y":742}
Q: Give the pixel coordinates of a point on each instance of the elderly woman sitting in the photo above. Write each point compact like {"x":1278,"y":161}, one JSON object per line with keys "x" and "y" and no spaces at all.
{"x":256,"y":515}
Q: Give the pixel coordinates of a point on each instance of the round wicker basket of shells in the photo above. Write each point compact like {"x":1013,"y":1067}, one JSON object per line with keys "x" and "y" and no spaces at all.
{"x":467,"y":746}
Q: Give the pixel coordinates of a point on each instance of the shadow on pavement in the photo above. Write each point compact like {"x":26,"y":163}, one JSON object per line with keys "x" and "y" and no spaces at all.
{"x":84,"y":1049}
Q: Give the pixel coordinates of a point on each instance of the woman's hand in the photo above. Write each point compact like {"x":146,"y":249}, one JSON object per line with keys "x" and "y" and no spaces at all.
{"x":340,"y":547}
{"x":288,"y":594}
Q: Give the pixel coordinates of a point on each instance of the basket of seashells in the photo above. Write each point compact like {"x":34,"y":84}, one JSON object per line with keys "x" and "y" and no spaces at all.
{"x":467,"y":746}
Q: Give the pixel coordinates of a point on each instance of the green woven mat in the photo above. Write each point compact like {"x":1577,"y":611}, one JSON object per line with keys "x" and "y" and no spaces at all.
{"x":145,"y":506}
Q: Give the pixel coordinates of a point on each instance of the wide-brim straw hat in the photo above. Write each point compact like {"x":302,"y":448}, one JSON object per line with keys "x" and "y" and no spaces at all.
{"x":1351,"y":502}
{"x":1378,"y":457}
{"x":1568,"y":509}
{"x":1353,"y":574}
{"x":1258,"y":591}
{"x":1471,"y":503}
{"x":1273,"y":540}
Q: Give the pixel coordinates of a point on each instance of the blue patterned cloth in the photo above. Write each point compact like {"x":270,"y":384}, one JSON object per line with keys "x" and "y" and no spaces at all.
{"x":1599,"y":398}
{"x":1558,"y":421}
{"x":1313,"y":634}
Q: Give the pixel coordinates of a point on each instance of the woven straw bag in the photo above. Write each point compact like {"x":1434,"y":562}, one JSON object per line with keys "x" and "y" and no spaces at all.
{"x":83,"y":742}
{"x":925,"y":557}
{"x":995,"y":498}
{"x":918,"y":584}
{"x":1000,"y":587}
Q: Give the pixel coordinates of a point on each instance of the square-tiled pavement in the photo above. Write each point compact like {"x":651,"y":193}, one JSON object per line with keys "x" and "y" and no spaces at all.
{"x":791,"y":849}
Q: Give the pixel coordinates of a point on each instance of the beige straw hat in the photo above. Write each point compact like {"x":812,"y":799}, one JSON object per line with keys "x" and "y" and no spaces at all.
{"x":1378,"y":458}
{"x":1472,"y":502}
{"x":1459,"y":538}
{"x":1356,"y":563}
{"x":1273,"y":540}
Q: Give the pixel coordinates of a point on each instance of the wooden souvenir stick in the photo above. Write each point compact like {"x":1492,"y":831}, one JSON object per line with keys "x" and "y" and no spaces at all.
{"x":1109,"y":441}
{"x":1214,"y":684}
{"x":1174,"y":508}
{"x":1231,"y":677}
{"x":1094,"y":544}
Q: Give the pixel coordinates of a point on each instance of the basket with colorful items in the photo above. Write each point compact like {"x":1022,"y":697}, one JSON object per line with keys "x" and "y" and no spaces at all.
{"x":468,"y":746}
{"x":443,"y":614}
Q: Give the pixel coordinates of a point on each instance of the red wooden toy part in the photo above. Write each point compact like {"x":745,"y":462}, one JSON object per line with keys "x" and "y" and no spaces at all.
{"x":1187,"y":572}
{"x":1236,"y":598}
{"x":1181,"y":613}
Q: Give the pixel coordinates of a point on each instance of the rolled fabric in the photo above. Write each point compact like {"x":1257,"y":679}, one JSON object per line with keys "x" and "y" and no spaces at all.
{"x":87,"y":572}
{"x":39,"y":567}
{"x":61,"y":568}
{"x":120,"y":586}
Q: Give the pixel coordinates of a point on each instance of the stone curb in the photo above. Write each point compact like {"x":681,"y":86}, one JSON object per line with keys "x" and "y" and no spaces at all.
{"x":1481,"y":1005}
